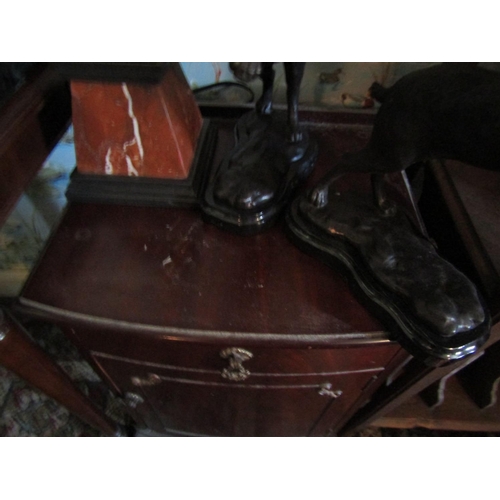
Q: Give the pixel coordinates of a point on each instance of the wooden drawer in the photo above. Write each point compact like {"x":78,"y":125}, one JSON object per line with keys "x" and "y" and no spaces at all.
{"x":186,"y":356}
{"x":176,"y":386}
{"x":201,"y":404}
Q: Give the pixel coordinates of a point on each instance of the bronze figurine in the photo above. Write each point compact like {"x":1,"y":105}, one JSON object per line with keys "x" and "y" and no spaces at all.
{"x":272,"y":155}
{"x":450,"y":111}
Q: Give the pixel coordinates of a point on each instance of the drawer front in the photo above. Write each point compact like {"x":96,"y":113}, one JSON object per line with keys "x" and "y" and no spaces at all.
{"x":170,"y":402}
{"x":233,"y":390}
{"x":209,"y":357}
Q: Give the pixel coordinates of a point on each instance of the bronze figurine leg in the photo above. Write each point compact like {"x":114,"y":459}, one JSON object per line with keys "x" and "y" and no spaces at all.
{"x":271,"y":157}
{"x":264,"y":105}
{"x":293,"y":73}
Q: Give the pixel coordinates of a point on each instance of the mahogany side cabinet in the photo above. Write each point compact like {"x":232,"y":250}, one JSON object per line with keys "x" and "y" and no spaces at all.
{"x":204,"y":332}
{"x":208,"y":333}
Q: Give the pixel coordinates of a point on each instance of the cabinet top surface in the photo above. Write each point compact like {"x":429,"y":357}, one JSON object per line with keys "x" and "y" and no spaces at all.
{"x":165,"y":267}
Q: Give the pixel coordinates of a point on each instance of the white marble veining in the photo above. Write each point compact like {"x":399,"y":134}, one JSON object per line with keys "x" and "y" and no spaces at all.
{"x":136,"y":140}
{"x":108,"y":166}
{"x":135,"y":123}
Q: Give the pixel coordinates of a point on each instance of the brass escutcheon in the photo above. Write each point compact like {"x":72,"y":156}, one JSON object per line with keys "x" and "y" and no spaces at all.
{"x":133,"y":400}
{"x":152,"y":379}
{"x":236,"y":356}
{"x":326,"y":390}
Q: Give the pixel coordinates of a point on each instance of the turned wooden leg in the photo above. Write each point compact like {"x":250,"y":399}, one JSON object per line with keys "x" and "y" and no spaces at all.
{"x":20,"y":355}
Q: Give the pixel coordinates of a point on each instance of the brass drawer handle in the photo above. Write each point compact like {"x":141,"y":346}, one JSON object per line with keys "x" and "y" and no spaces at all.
{"x":236,"y":356}
{"x":152,"y":379}
{"x":326,"y":390}
{"x":3,"y":326}
{"x":133,"y":400}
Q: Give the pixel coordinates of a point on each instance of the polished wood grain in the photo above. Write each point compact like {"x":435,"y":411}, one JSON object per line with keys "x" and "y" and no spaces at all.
{"x":187,"y":355}
{"x":376,"y":383}
{"x":195,"y":404}
{"x":166,"y":267}
{"x":154,"y":266}
{"x":31,"y":123}
{"x":151,"y":296}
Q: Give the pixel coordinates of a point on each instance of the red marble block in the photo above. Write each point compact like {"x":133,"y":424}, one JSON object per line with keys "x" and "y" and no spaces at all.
{"x":131,"y":129}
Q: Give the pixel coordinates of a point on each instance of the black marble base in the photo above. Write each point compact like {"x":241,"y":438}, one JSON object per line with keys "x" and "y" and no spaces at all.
{"x":250,"y":188}
{"x":433,"y":310}
{"x":137,"y":72}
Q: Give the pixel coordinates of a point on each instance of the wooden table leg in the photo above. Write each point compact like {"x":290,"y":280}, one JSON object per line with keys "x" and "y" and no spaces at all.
{"x":20,"y":355}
